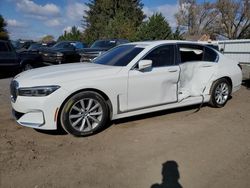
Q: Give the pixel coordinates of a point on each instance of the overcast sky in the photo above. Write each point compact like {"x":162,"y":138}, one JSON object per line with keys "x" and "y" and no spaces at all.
{"x":33,"y":19}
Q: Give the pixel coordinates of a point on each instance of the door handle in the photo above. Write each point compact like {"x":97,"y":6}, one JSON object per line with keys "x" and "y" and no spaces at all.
{"x":206,"y":65}
{"x":173,"y":70}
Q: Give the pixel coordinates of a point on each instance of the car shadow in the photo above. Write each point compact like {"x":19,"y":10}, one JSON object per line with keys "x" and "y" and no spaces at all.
{"x":59,"y":131}
{"x":170,"y":176}
{"x":119,"y":122}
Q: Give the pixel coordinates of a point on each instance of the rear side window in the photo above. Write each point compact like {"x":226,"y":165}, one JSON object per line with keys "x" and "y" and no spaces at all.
{"x":162,"y":56}
{"x":189,"y":52}
{"x":210,"y":55}
{"x":192,"y":52}
{"x":4,"y":47}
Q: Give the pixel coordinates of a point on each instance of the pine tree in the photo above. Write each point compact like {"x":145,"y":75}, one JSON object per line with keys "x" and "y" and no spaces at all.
{"x":3,"y":32}
{"x":74,"y":35}
{"x":155,"y":28}
{"x":112,"y":19}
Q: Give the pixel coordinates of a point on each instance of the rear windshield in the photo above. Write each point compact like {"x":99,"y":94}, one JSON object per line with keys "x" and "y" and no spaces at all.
{"x":119,"y":56}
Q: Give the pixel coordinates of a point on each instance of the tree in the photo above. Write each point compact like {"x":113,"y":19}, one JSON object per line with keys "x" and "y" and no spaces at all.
{"x":155,"y":28}
{"x":196,"y":19}
{"x":177,"y":34}
{"x":73,"y":34}
{"x":234,"y":18}
{"x":227,"y":18}
{"x":47,"y":39}
{"x":112,"y":19}
{"x":3,"y":32}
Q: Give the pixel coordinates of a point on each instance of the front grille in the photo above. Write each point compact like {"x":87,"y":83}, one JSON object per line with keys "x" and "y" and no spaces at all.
{"x":13,"y":90}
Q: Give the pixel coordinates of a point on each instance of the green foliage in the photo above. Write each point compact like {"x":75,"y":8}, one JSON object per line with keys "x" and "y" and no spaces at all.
{"x":74,"y":35}
{"x":177,"y":34}
{"x":112,"y":19}
{"x":3,"y":32}
{"x":155,"y":28}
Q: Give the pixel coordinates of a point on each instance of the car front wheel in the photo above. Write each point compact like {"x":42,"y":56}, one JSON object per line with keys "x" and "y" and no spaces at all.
{"x":220,"y":93}
{"x":84,"y":114}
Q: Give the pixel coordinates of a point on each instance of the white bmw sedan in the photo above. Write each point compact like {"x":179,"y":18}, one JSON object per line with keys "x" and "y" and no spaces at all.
{"x":128,"y":80}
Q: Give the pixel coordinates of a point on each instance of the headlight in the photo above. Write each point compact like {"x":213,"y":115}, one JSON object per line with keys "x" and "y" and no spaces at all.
{"x":38,"y":91}
{"x":100,"y":53}
{"x":59,"y":54}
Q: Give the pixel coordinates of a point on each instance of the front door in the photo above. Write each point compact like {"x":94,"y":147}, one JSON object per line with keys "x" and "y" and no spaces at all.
{"x":157,"y":86}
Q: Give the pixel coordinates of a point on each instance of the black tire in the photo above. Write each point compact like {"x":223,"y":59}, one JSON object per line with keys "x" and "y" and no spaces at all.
{"x":215,"y":94}
{"x":72,"y":108}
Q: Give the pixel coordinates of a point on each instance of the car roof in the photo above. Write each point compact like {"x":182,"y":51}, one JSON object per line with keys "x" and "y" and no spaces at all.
{"x":159,"y":42}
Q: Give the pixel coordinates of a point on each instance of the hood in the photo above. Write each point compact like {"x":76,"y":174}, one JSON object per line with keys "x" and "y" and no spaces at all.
{"x":59,"y":74}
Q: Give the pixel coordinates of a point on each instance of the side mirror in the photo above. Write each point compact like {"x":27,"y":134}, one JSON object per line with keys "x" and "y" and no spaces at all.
{"x":144,"y":64}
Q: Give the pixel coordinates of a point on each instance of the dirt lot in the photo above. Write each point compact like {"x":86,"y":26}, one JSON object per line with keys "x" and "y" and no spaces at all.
{"x":210,"y":148}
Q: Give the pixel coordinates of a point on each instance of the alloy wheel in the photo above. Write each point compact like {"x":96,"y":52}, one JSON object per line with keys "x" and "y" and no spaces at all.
{"x":85,"y":114}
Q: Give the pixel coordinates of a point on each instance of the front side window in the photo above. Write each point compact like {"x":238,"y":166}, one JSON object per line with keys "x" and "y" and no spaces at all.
{"x":119,"y":56}
{"x":63,"y":45}
{"x":162,"y":56}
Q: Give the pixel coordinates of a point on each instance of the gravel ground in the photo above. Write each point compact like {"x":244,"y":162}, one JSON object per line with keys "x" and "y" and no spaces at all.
{"x":174,"y":148}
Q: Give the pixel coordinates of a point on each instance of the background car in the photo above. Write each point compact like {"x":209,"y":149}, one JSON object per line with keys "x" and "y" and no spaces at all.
{"x":9,"y":60}
{"x":62,"y":52}
{"x":98,"y":47}
{"x":31,"y":58}
{"x":22,"y":45}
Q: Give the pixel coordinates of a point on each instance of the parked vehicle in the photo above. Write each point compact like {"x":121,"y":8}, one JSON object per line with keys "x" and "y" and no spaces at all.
{"x":9,"y":60}
{"x":238,"y":50}
{"x":40,"y":46}
{"x":63,"y":52}
{"x":22,"y":45}
{"x":99,"y":47}
{"x":130,"y":79}
{"x":31,"y":58}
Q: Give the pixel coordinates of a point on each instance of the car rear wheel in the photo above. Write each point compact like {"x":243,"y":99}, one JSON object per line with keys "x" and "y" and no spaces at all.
{"x":220,"y":93}
{"x":84,"y":114}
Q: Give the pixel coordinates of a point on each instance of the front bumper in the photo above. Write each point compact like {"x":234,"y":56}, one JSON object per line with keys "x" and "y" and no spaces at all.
{"x":39,"y":112}
{"x":53,"y":59}
{"x":34,"y":119}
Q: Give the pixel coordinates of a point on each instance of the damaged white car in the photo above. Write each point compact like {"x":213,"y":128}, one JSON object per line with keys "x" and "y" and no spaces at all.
{"x":128,"y":80}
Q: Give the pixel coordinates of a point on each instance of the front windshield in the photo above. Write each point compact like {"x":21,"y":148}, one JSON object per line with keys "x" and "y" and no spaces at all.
{"x":62,"y":45}
{"x":34,"y":46}
{"x":103,"y":44}
{"x":119,"y":56}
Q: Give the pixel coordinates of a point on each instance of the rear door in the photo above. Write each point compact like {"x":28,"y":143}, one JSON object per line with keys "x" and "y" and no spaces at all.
{"x":198,"y":65}
{"x":157,"y":86}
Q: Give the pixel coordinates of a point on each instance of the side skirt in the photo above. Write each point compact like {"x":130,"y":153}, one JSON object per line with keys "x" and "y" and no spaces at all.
{"x":187,"y":102}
